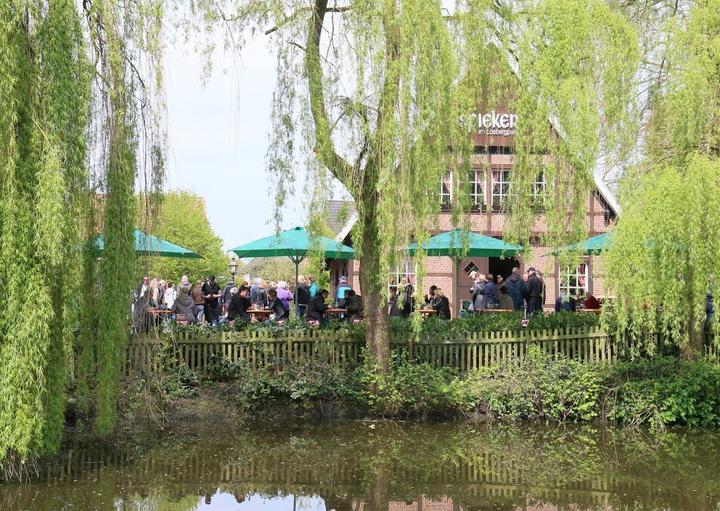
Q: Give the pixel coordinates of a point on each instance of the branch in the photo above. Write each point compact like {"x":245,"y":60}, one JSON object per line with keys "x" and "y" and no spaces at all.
{"x":301,"y":10}
{"x":324,"y":146}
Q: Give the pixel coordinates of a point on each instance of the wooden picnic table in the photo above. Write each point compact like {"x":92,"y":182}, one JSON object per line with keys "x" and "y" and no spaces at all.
{"x":335,"y":310}
{"x":260,"y":314}
{"x":428,"y":312}
{"x":159,"y":312}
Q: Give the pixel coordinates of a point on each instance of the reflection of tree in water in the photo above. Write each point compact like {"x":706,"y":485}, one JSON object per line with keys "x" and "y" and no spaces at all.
{"x":380,"y":467}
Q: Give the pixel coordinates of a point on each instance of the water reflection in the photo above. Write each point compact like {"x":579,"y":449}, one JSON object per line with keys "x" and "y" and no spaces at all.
{"x":387,"y":467}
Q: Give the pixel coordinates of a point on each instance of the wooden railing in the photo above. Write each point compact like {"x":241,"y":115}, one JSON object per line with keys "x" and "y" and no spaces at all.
{"x":468,"y":352}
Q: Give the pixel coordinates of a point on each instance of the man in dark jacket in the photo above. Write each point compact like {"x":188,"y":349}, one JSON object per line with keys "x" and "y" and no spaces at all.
{"x":239,"y":305}
{"x":316,"y":308}
{"x":516,"y":289}
{"x":354,"y":305}
{"x":211,"y":293}
{"x":535,"y":288}
{"x":491,"y":292}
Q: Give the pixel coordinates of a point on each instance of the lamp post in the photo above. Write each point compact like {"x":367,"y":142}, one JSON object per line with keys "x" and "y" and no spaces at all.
{"x":232,"y":266}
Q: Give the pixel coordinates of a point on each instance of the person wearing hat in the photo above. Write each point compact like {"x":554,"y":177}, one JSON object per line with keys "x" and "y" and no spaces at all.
{"x":535,"y":287}
{"x":342,"y":287}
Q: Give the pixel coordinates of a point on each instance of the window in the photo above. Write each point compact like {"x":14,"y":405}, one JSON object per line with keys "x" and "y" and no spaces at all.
{"x":538,"y":190}
{"x":478,"y":199}
{"x":470,"y":267}
{"x":574,"y":281}
{"x":501,"y":188}
{"x":404,"y":270}
{"x":446,"y":190}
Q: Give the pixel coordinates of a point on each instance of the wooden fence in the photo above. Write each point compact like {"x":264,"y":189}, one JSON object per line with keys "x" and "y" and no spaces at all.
{"x":471,"y":351}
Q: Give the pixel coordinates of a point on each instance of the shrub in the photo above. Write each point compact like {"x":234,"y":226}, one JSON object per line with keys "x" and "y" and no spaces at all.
{"x":410,"y":390}
{"x":664,"y":391}
{"x":537,"y":388}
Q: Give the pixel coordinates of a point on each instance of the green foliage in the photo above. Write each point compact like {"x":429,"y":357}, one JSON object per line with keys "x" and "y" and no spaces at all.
{"x":664,"y":391}
{"x":180,"y":382}
{"x":431,"y":329}
{"x":663,"y":248}
{"x":409,"y":390}
{"x":182,"y":220}
{"x":44,"y":89}
{"x":537,"y":388}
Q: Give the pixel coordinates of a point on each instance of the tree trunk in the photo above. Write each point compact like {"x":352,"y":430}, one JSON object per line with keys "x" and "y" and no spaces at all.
{"x":372,"y":287}
{"x":696,"y":334}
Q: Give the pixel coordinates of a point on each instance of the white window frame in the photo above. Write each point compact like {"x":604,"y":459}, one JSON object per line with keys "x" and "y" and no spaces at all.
{"x":478,"y":188}
{"x":405,"y":268}
{"x":446,"y":189}
{"x":571,"y":278}
{"x":500,"y":188}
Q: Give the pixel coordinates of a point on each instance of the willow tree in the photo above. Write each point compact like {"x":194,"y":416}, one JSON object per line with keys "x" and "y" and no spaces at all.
{"x":665,"y":249}
{"x":50,"y":82}
{"x":379,"y":90}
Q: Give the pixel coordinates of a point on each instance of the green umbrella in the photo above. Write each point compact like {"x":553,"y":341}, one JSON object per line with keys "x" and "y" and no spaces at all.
{"x":147,"y":244}
{"x":450,"y":244}
{"x":591,"y":246}
{"x":294,"y":243}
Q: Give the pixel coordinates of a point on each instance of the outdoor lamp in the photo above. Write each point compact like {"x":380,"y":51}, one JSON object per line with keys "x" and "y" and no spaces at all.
{"x":232,"y":266}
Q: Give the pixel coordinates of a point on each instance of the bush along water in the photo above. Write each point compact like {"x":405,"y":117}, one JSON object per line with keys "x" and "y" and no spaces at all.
{"x":656,"y":392}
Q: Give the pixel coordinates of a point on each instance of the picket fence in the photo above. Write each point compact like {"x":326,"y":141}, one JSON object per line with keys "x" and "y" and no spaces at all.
{"x":471,"y":351}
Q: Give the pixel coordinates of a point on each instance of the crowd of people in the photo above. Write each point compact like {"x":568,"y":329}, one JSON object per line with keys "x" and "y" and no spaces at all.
{"x":204,"y":301}
{"x":519,"y":292}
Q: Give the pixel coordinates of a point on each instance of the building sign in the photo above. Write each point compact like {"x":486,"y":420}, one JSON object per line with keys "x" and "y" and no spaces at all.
{"x":496,"y":123}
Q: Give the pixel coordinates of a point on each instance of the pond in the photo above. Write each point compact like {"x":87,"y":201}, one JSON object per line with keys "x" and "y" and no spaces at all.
{"x":386,"y":466}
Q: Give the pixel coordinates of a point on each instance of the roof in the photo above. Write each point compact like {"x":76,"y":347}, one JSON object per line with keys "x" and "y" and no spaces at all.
{"x":338,"y":214}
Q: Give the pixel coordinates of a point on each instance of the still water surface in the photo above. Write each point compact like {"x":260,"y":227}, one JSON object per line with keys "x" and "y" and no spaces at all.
{"x":364,"y":466}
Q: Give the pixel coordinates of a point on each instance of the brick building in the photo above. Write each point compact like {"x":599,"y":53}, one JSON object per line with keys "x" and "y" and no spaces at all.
{"x":492,"y":165}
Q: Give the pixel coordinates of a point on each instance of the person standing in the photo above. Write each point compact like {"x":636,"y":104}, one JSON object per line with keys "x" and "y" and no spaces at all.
{"x":211,"y":294}
{"x":198,"y":300}
{"x":170,"y":295}
{"x":340,"y":294}
{"x":477,"y":291}
{"x":313,"y":289}
{"x":227,"y":296}
{"x":535,"y":287}
{"x":303,"y":296}
{"x":516,"y":289}
{"x":505,"y":301}
{"x":491,"y":292}
{"x":184,"y":306}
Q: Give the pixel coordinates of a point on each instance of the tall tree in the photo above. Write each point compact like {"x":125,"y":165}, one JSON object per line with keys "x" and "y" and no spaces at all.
{"x":381,"y":89}
{"x":662,"y":263}
{"x":181,"y":218}
{"x":67,"y":110}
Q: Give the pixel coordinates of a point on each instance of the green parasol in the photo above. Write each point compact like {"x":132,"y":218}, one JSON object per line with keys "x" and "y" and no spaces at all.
{"x":147,"y":244}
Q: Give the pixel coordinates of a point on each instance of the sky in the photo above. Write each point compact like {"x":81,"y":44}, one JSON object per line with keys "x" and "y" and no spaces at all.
{"x":218,"y":136}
